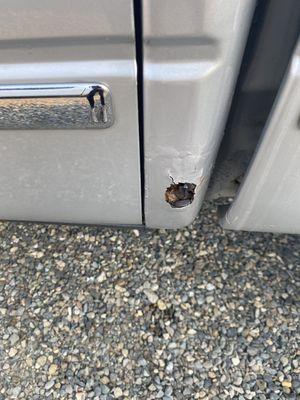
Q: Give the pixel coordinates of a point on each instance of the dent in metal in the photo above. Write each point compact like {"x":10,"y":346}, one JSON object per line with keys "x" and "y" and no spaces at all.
{"x":55,"y":106}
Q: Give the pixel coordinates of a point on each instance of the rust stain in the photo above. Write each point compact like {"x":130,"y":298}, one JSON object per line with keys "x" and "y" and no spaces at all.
{"x":180,"y":194}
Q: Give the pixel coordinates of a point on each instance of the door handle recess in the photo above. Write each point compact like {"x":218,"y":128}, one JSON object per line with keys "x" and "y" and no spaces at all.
{"x":55,"y":106}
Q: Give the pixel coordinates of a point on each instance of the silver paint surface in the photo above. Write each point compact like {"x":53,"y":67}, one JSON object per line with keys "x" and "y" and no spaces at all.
{"x":82,"y":175}
{"x":268,"y":199}
{"x":192,"y":54}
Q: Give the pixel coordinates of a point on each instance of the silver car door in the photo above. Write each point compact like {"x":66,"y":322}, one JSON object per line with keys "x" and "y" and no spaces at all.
{"x":53,"y":53}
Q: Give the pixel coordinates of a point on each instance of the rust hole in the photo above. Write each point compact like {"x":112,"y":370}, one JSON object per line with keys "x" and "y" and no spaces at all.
{"x":180,"y":194}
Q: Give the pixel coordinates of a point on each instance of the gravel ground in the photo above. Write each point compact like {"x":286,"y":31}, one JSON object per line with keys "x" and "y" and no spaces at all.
{"x":90,"y":313}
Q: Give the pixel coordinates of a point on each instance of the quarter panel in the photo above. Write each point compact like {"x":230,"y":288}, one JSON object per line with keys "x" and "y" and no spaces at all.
{"x":192,"y":53}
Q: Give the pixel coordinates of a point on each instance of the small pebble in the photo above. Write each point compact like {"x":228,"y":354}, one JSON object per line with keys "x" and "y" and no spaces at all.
{"x":151,"y":296}
{"x":118,"y":392}
{"x":106,"y":313}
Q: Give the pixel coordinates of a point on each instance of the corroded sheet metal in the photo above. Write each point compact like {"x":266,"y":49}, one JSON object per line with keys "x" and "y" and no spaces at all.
{"x":192,"y":54}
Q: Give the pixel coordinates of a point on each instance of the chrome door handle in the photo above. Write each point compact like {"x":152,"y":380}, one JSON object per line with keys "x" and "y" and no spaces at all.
{"x":98,"y":113}
{"x":55,"y":106}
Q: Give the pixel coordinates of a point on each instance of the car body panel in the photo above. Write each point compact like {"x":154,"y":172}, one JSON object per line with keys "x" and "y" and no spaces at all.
{"x":192,"y":53}
{"x":78,"y":176}
{"x":268,"y":199}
